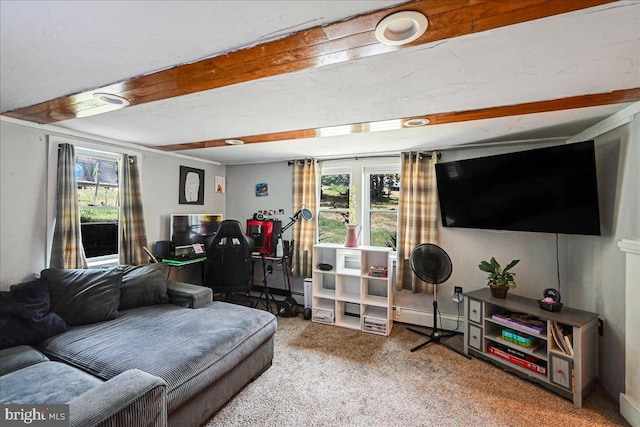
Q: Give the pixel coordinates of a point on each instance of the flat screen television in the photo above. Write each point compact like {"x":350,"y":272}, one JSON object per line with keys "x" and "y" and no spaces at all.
{"x":187,"y":229}
{"x":549,"y":190}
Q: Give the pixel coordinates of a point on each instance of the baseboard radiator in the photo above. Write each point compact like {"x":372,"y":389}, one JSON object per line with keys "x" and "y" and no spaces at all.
{"x":418,"y":317}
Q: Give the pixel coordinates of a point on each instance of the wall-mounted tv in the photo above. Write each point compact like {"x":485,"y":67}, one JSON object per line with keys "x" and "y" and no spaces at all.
{"x":187,"y":229}
{"x":549,"y":190}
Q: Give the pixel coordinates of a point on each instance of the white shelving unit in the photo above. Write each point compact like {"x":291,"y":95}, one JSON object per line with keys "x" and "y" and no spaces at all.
{"x":570,"y":374}
{"x":348,"y":295}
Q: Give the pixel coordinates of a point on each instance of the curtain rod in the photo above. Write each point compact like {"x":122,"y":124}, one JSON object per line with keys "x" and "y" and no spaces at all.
{"x":292,"y":162}
{"x":374,"y":156}
{"x":440,"y":150}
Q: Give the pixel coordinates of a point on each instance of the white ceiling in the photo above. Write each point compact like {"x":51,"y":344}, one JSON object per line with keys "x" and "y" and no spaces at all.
{"x":56,"y":48}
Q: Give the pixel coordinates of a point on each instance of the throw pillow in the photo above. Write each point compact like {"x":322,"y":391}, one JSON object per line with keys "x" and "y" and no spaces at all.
{"x":84,"y":296}
{"x":143,"y":285}
{"x":25,"y":318}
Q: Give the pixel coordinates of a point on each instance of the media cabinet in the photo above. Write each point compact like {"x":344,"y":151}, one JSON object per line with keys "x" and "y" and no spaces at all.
{"x":348,"y":292}
{"x":533,"y":355}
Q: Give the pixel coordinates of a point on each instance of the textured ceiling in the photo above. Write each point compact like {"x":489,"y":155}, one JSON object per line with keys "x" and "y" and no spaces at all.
{"x":51,"y":49}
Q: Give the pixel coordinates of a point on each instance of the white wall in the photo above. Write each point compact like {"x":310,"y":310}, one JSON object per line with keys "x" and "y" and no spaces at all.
{"x":23,"y":198}
{"x":242,"y":202}
{"x":595,"y":269}
{"x":23,"y":203}
{"x":160,"y":192}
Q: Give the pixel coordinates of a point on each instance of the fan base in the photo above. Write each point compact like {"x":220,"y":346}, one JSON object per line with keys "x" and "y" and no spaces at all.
{"x":435,"y":337}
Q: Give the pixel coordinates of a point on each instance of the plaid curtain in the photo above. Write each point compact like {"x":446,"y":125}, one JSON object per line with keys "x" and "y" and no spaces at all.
{"x":66,"y":249}
{"x":133,"y":237}
{"x":304,"y":232}
{"x":418,"y":215}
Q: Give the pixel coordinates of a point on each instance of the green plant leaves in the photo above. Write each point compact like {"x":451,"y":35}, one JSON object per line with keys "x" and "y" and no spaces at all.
{"x":498,"y":276}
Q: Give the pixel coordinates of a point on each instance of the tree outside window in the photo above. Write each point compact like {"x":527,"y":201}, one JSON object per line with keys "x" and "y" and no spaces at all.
{"x":384,"y":196}
{"x":377,"y":196}
{"x":334,"y":206}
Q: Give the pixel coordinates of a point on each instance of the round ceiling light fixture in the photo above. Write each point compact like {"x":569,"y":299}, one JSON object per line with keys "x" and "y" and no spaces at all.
{"x":234,"y":141}
{"x":401,"y":28}
{"x":414,"y":123}
{"x":109,"y":98}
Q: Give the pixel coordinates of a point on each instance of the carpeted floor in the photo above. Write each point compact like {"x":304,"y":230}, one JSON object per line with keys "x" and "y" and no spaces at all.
{"x":331,"y":376}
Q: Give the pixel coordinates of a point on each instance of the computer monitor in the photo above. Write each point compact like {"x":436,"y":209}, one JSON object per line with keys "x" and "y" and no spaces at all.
{"x":187,"y":229}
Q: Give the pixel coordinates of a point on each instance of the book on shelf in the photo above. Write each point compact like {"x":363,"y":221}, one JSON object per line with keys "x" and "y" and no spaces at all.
{"x":538,"y":366}
{"x":567,"y":340}
{"x":562,"y":337}
{"x":533,"y":347}
{"x":524,"y":321}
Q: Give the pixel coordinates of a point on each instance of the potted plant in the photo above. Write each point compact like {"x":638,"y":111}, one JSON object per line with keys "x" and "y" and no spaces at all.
{"x":500,"y":279}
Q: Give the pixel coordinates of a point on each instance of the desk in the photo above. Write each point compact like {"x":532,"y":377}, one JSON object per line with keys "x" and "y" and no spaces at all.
{"x":264,"y":258}
{"x":182,"y":264}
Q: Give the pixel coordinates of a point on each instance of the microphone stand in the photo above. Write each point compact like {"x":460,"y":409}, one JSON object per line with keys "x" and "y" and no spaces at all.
{"x":294,"y":218}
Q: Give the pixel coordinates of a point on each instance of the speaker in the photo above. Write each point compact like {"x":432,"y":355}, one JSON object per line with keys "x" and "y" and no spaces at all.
{"x":164,"y":249}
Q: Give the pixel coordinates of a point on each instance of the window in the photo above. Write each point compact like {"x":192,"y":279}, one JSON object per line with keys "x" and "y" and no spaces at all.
{"x":377,"y":184}
{"x":381,"y":208}
{"x":334,"y":205}
{"x":98,"y":202}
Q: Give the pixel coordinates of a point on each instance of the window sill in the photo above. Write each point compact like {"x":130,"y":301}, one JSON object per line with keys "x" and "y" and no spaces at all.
{"x":99,"y":262}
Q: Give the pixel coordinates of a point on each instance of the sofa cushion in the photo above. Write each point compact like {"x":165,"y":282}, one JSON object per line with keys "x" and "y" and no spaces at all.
{"x":18,"y":357}
{"x":188,"y":348}
{"x":84,"y":296}
{"x":25,"y":318}
{"x":46,"y":382}
{"x":143,"y":285}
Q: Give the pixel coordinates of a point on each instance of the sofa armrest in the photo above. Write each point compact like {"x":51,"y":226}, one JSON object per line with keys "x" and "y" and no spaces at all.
{"x":133,"y":398}
{"x":188,"y":295}
{"x":18,"y":357}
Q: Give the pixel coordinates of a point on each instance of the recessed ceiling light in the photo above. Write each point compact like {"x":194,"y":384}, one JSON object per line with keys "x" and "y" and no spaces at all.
{"x":110,"y":98}
{"x":401,"y":28}
{"x":234,"y":141}
{"x":414,"y":123}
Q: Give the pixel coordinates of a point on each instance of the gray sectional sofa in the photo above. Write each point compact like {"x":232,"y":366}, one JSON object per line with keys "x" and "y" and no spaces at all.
{"x":165,"y":353}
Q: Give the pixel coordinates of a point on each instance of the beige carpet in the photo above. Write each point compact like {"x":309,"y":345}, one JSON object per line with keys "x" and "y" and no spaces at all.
{"x":331,"y":376}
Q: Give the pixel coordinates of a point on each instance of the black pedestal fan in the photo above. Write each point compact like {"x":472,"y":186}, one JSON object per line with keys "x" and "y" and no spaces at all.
{"x":433,"y":265}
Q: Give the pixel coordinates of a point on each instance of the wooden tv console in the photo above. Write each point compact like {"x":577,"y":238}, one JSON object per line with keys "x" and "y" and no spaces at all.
{"x":490,"y":335}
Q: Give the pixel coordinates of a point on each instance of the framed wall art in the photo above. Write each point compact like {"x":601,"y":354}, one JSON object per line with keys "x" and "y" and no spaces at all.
{"x":220,"y":184}
{"x":191,"y":187}
{"x":262,"y":189}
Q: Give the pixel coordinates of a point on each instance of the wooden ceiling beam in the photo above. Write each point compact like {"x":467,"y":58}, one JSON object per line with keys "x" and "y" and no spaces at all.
{"x":338,"y":42}
{"x":569,"y":103}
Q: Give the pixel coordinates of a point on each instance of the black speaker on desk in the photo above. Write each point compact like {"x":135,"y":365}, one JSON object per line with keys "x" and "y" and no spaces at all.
{"x":164,"y":249}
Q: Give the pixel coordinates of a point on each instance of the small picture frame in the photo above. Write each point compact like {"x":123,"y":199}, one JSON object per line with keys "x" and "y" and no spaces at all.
{"x":191,"y":186}
{"x":262,"y":189}
{"x":220,"y":184}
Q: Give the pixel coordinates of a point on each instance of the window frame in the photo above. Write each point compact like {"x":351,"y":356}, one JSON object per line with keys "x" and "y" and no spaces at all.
{"x":367,"y":171}
{"x":359,"y":170}
{"x":52,"y":141}
{"x":334,"y":170}
{"x":112,"y":157}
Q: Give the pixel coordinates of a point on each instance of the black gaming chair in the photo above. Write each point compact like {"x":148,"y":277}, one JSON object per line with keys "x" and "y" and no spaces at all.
{"x":228,"y":265}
